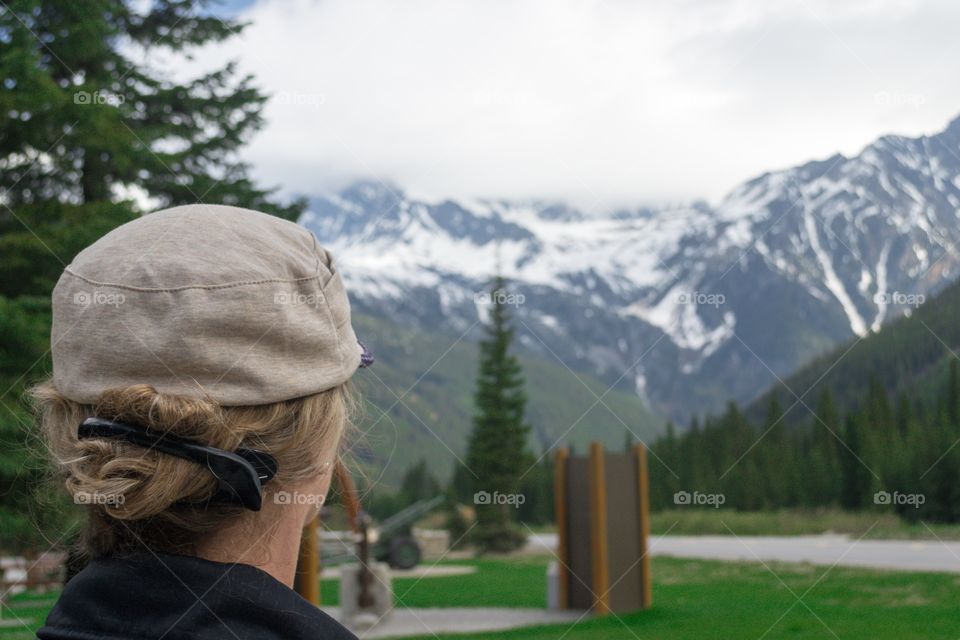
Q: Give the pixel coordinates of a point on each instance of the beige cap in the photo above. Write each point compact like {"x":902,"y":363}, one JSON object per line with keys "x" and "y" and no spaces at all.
{"x":204,"y":300}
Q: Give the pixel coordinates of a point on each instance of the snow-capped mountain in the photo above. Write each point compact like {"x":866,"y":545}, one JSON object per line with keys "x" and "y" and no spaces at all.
{"x":690,"y":306}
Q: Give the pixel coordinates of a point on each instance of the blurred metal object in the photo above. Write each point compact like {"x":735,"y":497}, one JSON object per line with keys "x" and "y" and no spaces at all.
{"x":391,"y":541}
{"x":364,"y":577}
{"x":349,"y":497}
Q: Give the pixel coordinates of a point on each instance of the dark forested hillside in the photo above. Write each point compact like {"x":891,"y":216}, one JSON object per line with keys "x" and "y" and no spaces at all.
{"x":875,"y":425}
{"x":910,"y":356}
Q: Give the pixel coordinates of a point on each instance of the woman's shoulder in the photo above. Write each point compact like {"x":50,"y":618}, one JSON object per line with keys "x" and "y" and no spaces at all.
{"x":152,"y":595}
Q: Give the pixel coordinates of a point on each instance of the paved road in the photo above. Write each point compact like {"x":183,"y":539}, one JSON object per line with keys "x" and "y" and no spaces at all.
{"x":903,"y":555}
{"x":427,"y":621}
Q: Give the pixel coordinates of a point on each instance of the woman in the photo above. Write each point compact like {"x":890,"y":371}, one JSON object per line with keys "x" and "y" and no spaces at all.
{"x":197,"y":407}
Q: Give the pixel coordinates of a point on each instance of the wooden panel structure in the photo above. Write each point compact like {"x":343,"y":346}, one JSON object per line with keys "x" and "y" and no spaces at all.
{"x":578,"y":561}
{"x":599,"y":540}
{"x":623,"y":543}
{"x":603,"y":526}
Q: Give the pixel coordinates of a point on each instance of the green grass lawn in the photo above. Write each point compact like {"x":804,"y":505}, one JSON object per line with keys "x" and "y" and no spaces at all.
{"x":692,"y":599}
{"x":708,"y":599}
{"x":27,"y":612}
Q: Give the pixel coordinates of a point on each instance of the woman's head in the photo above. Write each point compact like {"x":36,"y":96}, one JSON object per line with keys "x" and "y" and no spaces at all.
{"x":220,"y":326}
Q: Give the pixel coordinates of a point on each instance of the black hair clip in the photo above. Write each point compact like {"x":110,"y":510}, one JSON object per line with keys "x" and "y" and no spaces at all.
{"x":241,"y":474}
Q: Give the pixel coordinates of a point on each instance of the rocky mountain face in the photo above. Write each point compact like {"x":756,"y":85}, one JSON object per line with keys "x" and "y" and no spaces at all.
{"x":688,"y":306}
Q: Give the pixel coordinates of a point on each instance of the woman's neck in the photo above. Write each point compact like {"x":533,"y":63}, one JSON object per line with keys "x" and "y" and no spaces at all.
{"x":268,"y":540}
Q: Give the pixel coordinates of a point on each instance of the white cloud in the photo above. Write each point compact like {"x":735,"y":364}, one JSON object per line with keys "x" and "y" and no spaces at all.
{"x":615,"y":101}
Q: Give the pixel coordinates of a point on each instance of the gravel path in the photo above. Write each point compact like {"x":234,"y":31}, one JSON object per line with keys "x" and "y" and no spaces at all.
{"x":420,"y":571}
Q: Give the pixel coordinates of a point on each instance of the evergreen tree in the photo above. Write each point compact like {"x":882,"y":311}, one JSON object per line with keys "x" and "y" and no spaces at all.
{"x":904,"y":415}
{"x":97,"y":120}
{"x":952,"y":396}
{"x":878,"y":437}
{"x":693,"y":467}
{"x":84,"y":124}
{"x":537,"y":490}
{"x":854,"y":477}
{"x":823,"y":480}
{"x":663,"y":467}
{"x":878,"y":413}
{"x":419,"y":484}
{"x":461,"y":483}
{"x":939,"y":471}
{"x":745,"y":453}
{"x":777,"y":460}
{"x":497,"y":451}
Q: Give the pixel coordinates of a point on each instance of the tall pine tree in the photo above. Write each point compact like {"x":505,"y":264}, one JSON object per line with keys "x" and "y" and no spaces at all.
{"x":497,"y":452}
{"x":823,"y":484}
{"x":85,"y":124}
{"x":854,"y":476}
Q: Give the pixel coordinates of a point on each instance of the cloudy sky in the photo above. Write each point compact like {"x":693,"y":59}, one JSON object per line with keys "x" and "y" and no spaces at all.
{"x":603,"y":102}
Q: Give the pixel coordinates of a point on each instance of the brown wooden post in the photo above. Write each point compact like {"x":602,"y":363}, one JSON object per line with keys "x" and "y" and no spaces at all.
{"x":308,"y":564}
{"x":560,"y":509}
{"x":643,"y":482}
{"x":598,"y":531}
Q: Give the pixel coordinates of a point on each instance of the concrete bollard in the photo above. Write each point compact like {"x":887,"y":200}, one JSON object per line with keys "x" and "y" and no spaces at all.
{"x":380,"y":591}
{"x":553,"y":586}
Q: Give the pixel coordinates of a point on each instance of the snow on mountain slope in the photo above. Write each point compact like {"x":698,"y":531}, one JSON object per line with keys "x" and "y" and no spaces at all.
{"x":689,"y":306}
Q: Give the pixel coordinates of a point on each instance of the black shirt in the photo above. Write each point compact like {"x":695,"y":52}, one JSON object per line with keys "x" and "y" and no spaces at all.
{"x":145,"y":596}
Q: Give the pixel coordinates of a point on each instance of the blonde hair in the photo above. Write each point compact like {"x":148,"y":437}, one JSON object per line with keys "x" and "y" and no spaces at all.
{"x":137,"y":496}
